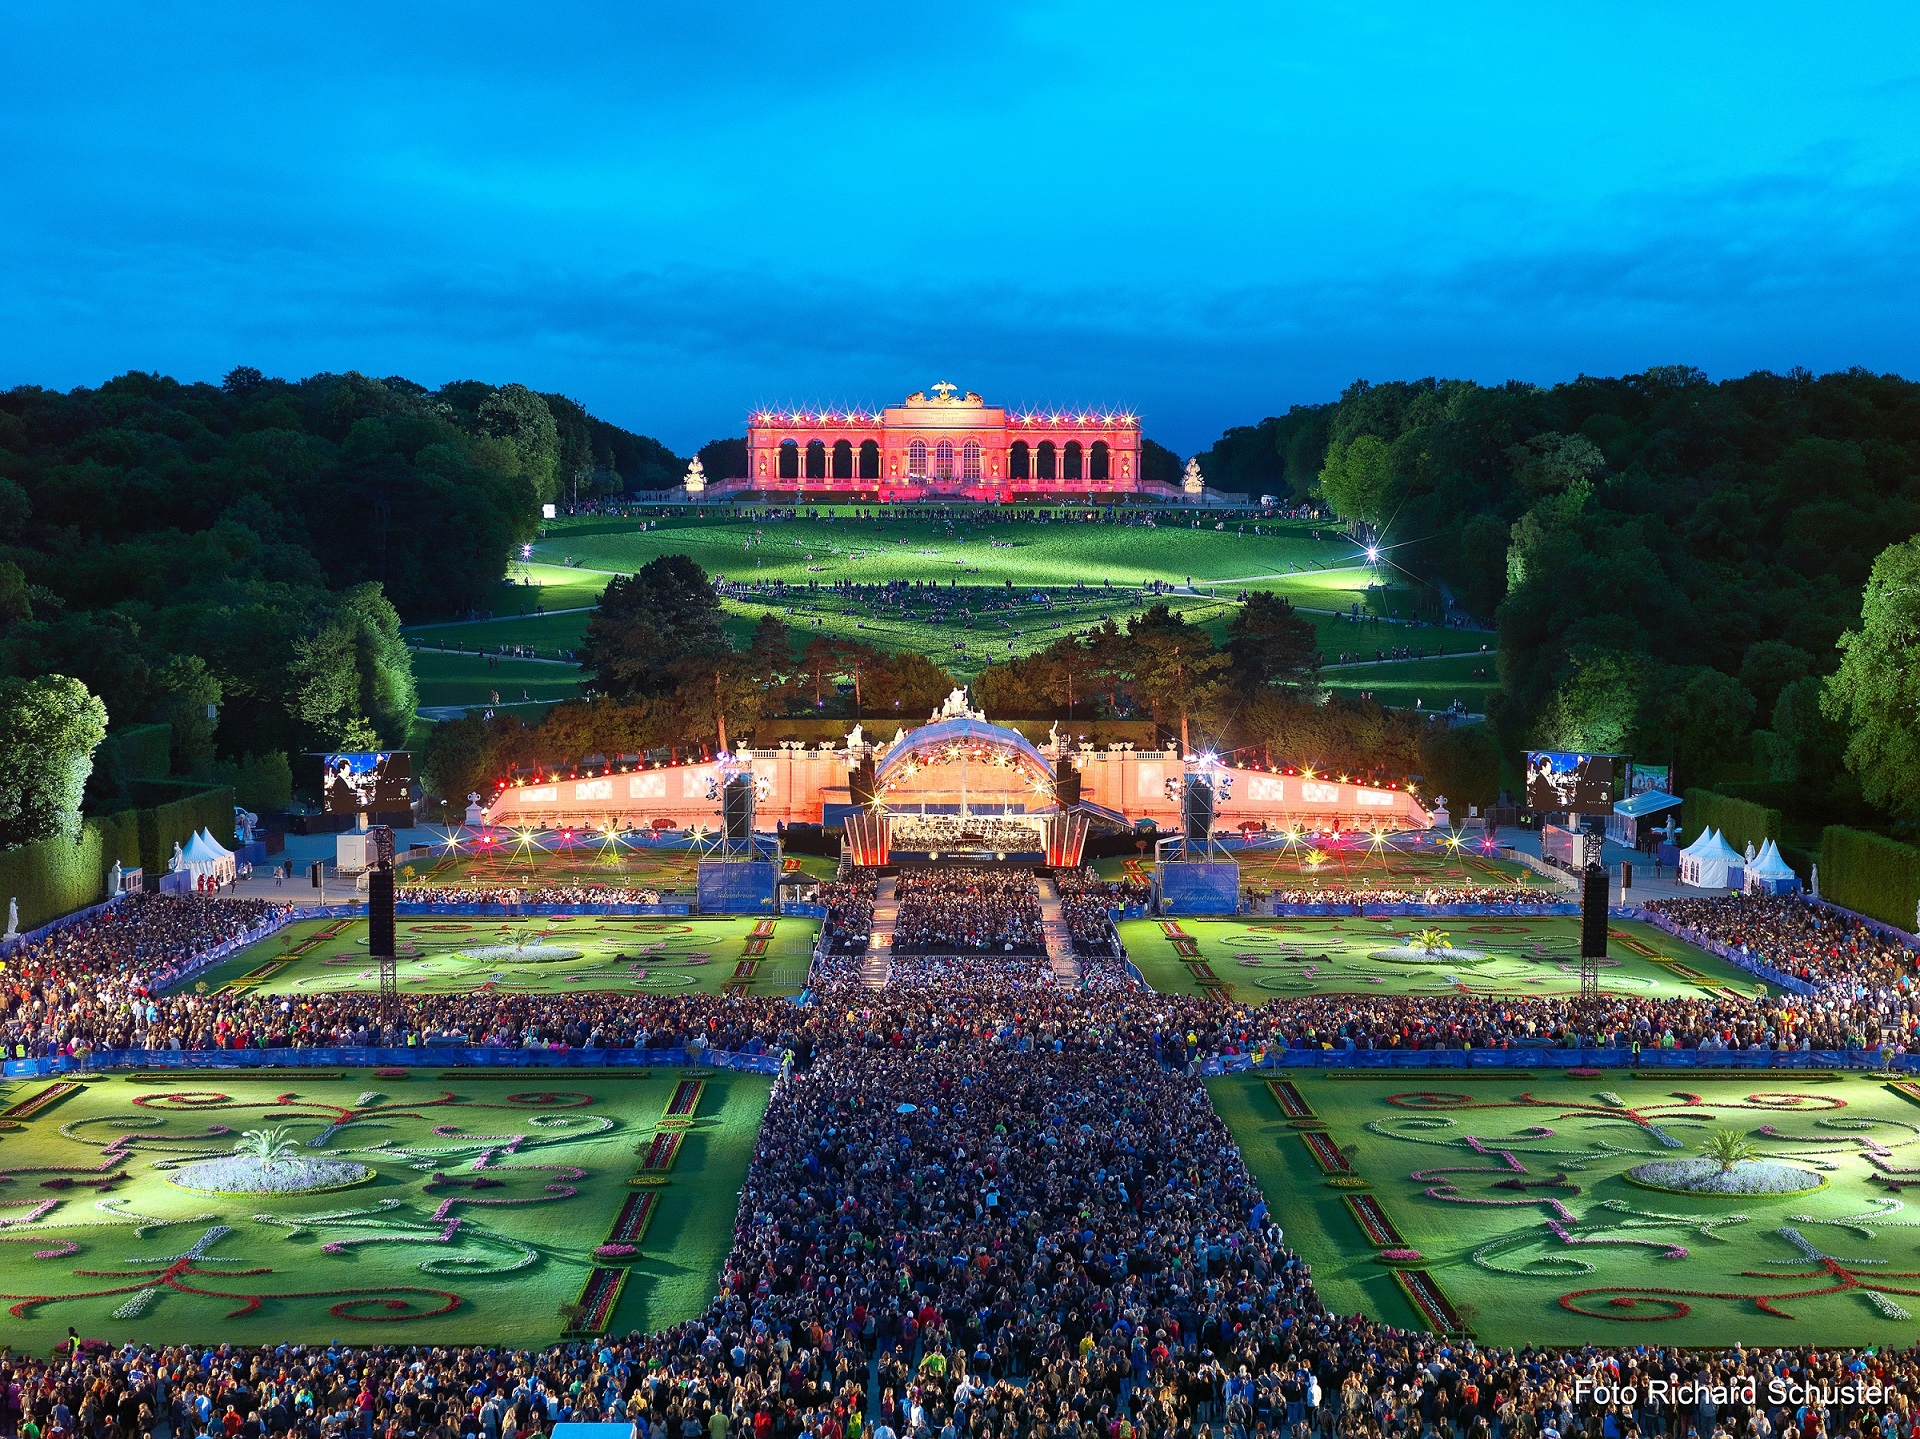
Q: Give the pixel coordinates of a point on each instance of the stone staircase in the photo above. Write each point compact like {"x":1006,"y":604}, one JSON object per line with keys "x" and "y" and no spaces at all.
{"x":1053,"y":926}
{"x":876,"y":967}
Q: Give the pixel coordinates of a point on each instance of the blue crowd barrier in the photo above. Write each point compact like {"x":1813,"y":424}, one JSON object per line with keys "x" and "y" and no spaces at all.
{"x":415,"y":909}
{"x":1383,"y":910}
{"x":804,"y":911}
{"x":425,"y":1056}
{"x":1678,"y":1060}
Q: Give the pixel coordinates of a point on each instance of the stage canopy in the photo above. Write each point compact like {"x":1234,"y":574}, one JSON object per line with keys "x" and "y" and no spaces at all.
{"x":964,"y":764}
{"x":1647,"y":802}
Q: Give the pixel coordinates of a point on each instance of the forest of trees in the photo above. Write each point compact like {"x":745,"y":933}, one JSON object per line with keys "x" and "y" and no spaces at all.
{"x":255,"y":545}
{"x":1669,"y":561}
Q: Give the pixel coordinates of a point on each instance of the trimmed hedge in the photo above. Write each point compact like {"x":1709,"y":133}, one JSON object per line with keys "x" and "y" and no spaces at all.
{"x":57,"y":876}
{"x":126,"y":757}
{"x":1871,"y":874}
{"x":1741,"y":821}
{"x":173,"y":810}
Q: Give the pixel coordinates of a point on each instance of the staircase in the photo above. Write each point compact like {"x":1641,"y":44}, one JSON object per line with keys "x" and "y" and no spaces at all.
{"x":1053,"y":925}
{"x":876,"y":966}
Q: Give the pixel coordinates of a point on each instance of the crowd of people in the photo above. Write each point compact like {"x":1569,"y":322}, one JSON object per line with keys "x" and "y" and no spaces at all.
{"x":1090,"y":905}
{"x":969,"y":1214}
{"x":1357,"y":895}
{"x":968,"y":909}
{"x":849,"y":922}
{"x":556,"y":894}
{"x":96,"y":975}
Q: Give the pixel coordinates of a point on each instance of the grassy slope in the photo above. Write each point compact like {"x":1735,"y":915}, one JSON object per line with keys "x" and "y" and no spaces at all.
{"x":1338,"y":952}
{"x":575,"y":559}
{"x":518,"y":1308}
{"x":1516,"y":1309}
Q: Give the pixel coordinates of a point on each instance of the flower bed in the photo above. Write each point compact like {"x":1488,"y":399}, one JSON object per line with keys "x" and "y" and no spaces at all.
{"x":46,"y":1098}
{"x":520,"y":953}
{"x":686,"y":1098}
{"x":240,"y":1174}
{"x":1325,"y":1153}
{"x":662,"y":1151}
{"x":1292,"y":1102}
{"x":630,"y":1227}
{"x":1748,"y":1178}
{"x":1429,"y":1300}
{"x":1400,"y":1256}
{"x":1373,"y":1221}
{"x":597,"y":1299}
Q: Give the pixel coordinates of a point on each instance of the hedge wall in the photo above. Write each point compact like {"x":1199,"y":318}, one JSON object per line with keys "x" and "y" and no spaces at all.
{"x":173,"y":811}
{"x":1870,"y":873}
{"x":1740,"y":820}
{"x":57,"y":876}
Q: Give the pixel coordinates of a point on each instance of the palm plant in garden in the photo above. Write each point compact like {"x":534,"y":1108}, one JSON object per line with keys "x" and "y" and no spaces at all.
{"x":1728,"y":1147}
{"x":269,"y":1146}
{"x":1430,"y":939}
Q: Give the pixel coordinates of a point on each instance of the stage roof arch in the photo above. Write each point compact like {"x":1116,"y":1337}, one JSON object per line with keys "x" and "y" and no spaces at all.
{"x":951,"y":738}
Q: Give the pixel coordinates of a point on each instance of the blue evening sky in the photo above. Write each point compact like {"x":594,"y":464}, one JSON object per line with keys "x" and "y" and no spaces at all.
{"x":1204,"y":211}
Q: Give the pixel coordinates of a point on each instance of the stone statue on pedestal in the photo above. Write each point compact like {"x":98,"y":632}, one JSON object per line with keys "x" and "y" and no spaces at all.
{"x":174,"y":864}
{"x":13,"y":920}
{"x":696,"y":479}
{"x":114,"y":877}
{"x":1193,"y":483}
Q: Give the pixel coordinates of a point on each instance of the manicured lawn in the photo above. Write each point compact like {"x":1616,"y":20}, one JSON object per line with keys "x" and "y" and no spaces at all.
{"x":547,"y":636}
{"x":1512,"y":1189}
{"x":481,"y":1203}
{"x":649,"y":955}
{"x":1258,"y":959}
{"x":451,"y":679}
{"x":1435,"y":682}
{"x":586,"y":865}
{"x":972,"y":552}
{"x":1325,"y":864}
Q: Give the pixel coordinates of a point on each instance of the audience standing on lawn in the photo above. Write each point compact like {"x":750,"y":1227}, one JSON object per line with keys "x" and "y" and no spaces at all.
{"x":978,"y":1208}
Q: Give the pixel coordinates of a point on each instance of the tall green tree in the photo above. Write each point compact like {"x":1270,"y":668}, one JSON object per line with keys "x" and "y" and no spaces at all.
{"x":1876,"y":690}
{"x":1269,"y":644}
{"x":649,"y":622}
{"x":49,"y":729}
{"x":354,"y":675}
{"x":1177,"y":671}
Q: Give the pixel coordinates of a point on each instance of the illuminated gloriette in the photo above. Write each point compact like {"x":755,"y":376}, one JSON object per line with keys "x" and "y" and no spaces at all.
{"x":944,"y":442}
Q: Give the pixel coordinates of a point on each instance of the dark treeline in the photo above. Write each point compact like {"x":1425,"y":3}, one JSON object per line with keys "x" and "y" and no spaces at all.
{"x":255,"y":545}
{"x":1669,"y":561}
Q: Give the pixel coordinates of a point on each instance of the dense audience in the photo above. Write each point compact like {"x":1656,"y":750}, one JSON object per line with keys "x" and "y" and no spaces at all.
{"x":1357,"y":895}
{"x":967,"y":1214}
{"x":968,"y":909}
{"x":557,"y":894}
{"x":849,"y":922}
{"x":1090,"y":905}
{"x":1810,"y":942}
{"x":95,"y":974}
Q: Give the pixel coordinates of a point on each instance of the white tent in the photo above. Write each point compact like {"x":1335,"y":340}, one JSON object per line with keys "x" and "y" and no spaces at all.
{"x":1700,"y":842}
{"x":205,"y":856}
{"x":1770,"y":874}
{"x":1711,"y":863}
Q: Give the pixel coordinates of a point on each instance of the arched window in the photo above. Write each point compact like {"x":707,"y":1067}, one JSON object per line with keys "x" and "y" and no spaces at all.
{"x":970,"y":460}
{"x":789,"y":460}
{"x":1019,"y":461}
{"x":1043,"y":461}
{"x":1098,"y":463}
{"x":917,"y":460}
{"x":816,"y":459}
{"x":943,"y":460}
{"x":842,"y":460}
{"x":869,"y":459}
{"x":1070,"y":461}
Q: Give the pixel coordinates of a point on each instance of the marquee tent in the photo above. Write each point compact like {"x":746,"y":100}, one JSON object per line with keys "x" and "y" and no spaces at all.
{"x":1770,"y":874}
{"x":205,"y":856}
{"x":1711,"y":863}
